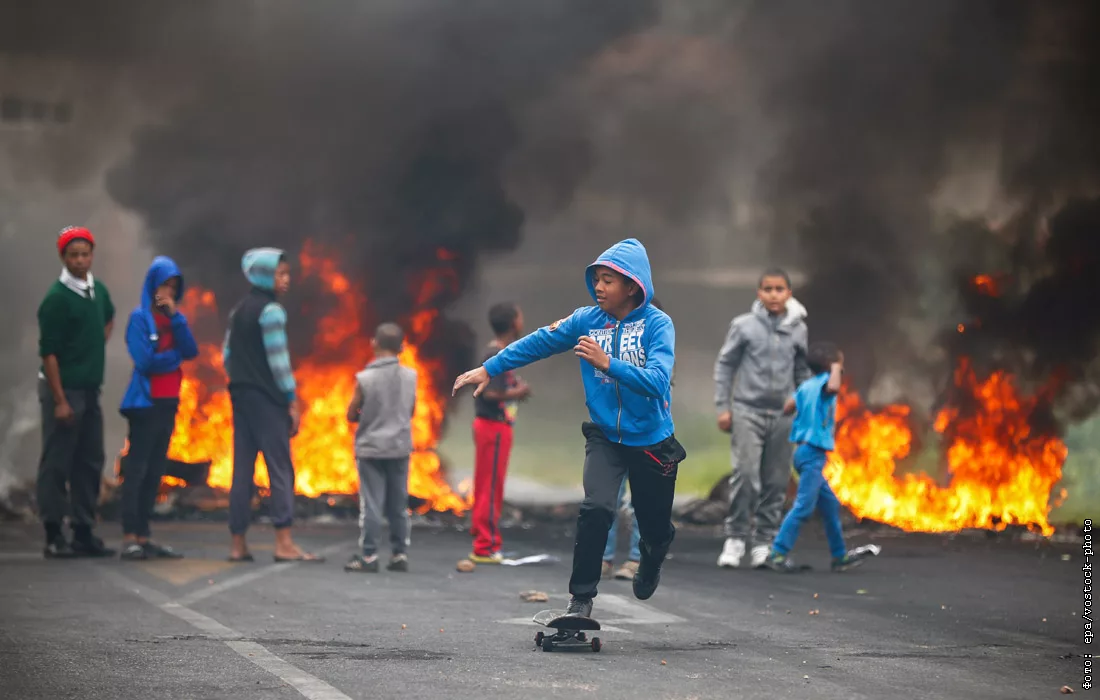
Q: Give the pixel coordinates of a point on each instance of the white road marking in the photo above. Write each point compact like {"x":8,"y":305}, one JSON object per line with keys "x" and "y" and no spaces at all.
{"x":230,"y":583}
{"x":631,"y":612}
{"x":309,"y":686}
{"x":201,"y":622}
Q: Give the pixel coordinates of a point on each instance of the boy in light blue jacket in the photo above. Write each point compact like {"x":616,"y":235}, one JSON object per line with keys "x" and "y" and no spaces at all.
{"x":626,"y":348}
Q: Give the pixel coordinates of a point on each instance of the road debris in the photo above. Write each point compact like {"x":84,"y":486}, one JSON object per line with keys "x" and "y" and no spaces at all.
{"x":533,"y":559}
{"x":465,"y":566}
{"x":534,"y":597}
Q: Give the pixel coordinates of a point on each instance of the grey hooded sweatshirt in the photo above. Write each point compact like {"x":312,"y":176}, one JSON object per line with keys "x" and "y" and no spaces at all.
{"x":767,"y":357}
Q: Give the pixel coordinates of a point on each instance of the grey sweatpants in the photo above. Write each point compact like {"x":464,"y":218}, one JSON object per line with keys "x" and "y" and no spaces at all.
{"x":383,"y":487}
{"x":761,"y":452}
{"x":72,"y":458}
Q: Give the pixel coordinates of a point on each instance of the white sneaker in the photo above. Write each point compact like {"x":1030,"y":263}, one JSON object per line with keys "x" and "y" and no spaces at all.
{"x":760,"y":555}
{"x":732,"y":551}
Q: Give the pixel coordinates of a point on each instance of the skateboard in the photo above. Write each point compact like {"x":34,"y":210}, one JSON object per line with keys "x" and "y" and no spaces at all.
{"x":570,"y":629}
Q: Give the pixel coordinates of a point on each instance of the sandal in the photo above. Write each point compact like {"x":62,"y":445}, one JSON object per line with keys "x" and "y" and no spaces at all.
{"x":246,"y":557}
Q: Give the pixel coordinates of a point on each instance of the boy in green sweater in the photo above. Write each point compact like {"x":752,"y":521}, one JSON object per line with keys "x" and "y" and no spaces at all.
{"x":74,"y":323}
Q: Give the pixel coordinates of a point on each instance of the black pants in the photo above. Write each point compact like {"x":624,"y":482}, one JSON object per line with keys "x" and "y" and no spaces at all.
{"x":71,"y":466}
{"x":150,"y":432}
{"x":260,"y":425}
{"x":652,"y":474}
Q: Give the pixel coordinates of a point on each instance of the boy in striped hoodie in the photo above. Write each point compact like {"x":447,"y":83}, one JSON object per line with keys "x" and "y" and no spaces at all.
{"x":264,"y":398}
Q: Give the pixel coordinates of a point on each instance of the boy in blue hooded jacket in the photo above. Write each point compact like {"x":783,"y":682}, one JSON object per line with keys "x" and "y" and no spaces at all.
{"x":159,"y":340}
{"x":626,"y":348}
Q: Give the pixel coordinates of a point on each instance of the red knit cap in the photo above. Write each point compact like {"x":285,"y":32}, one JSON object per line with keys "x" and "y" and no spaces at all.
{"x":74,"y":233}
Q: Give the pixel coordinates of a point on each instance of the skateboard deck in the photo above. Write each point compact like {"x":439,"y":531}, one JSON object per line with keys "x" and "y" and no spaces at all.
{"x":557,"y":619}
{"x":570,"y":630}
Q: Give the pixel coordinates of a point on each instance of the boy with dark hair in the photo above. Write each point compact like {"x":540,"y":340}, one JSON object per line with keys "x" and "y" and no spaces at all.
{"x":265,"y":403}
{"x":627,"y":350}
{"x":383,"y":407}
{"x":495,"y":413}
{"x":158,"y":340}
{"x":765,"y":351}
{"x":813,"y":429}
{"x":74,"y":324}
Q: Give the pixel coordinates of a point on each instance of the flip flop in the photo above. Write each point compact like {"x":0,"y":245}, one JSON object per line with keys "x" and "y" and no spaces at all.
{"x":246,"y":557}
{"x":307,"y":557}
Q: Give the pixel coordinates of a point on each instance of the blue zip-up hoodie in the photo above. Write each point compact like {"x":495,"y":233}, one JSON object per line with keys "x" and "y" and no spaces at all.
{"x":632,"y":402}
{"x":142,"y":337}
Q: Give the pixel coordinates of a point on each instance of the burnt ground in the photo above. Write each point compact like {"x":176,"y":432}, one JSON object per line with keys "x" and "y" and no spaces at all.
{"x":932,"y":617}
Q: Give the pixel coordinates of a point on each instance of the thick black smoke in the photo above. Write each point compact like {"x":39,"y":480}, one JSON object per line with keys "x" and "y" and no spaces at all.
{"x":877,"y":104}
{"x":380,"y":129}
{"x":1037,"y":315}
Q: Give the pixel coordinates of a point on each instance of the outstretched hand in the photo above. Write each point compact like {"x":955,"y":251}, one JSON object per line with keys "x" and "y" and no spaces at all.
{"x":590,"y":351}
{"x":475,"y":376}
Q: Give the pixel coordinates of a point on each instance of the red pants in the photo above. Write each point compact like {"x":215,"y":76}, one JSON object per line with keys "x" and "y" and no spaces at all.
{"x":493,"y":441}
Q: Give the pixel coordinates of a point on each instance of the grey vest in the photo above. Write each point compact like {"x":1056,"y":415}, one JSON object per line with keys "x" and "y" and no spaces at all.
{"x":385,"y":420}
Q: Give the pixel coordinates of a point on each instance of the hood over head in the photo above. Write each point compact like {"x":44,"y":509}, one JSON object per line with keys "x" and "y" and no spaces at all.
{"x":795,"y":311}
{"x":160,"y":271}
{"x":628,"y":258}
{"x":259,"y":266}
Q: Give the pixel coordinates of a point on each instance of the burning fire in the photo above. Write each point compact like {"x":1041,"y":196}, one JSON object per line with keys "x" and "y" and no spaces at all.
{"x":1001,"y":473}
{"x":324,"y":461}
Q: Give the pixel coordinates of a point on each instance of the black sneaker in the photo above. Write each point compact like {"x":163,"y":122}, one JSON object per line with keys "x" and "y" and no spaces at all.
{"x":398,"y":562}
{"x":648,"y":575}
{"x":160,"y":551}
{"x":58,"y":548}
{"x":133,"y":552}
{"x":579,"y":607}
{"x":91,"y":546}
{"x":362,"y":564}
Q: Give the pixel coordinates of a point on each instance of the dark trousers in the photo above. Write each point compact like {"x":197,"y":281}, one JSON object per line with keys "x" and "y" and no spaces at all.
{"x":652,"y":474}
{"x":260,"y":425}
{"x":383,"y":488}
{"x":150,"y":433}
{"x":71,"y":466}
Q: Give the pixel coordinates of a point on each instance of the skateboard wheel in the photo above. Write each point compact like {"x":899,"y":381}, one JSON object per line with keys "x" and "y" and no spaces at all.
{"x":596,"y":646}
{"x":582,"y":637}
{"x":538,"y":638}
{"x":547,"y":645}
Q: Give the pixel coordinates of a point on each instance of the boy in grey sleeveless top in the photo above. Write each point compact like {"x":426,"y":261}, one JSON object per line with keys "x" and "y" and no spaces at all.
{"x":383,"y":406}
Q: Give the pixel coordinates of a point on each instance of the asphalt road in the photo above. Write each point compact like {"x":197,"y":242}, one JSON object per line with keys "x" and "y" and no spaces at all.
{"x":932,"y":617}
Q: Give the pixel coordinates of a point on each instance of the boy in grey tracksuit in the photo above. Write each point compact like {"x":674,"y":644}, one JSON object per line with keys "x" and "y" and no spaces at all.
{"x":765,"y":351}
{"x":383,"y":406}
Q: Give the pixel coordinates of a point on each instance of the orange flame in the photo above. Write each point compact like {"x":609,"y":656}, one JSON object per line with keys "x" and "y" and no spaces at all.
{"x":987,"y":285}
{"x":324,"y":460}
{"x":1001,"y":473}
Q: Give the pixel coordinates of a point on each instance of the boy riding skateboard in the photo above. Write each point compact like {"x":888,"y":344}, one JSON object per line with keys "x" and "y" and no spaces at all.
{"x":627,"y":350}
